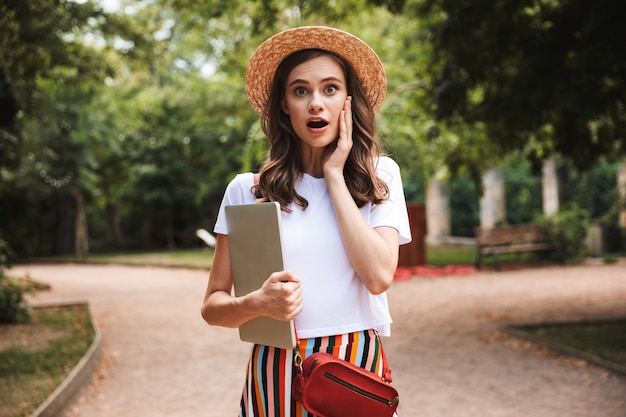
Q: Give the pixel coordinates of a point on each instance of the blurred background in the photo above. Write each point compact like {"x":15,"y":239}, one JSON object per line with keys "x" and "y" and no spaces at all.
{"x":121,"y":122}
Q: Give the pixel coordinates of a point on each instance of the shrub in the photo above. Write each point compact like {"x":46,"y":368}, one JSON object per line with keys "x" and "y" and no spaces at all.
{"x":615,"y":239}
{"x":567,"y":230}
{"x":13,"y":307}
{"x":464,"y":206}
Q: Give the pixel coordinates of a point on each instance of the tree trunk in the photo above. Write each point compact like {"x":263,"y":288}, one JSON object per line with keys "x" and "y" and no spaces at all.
{"x":66,"y":224}
{"x":81,"y":238}
{"x":114,"y":233}
{"x":170,"y":230}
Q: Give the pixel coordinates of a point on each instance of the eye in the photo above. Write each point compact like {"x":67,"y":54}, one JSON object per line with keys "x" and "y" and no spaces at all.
{"x":330,"y":89}
{"x":300,"y":91}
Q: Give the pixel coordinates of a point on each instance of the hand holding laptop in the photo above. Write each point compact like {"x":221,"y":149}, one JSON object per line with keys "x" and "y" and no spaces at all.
{"x":280,"y":297}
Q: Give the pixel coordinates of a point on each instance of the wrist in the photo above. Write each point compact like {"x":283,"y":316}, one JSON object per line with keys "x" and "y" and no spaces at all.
{"x":246,"y":304}
{"x":334,"y":176}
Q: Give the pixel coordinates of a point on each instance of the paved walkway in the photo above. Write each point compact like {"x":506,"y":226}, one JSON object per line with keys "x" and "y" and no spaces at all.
{"x":448,"y":356}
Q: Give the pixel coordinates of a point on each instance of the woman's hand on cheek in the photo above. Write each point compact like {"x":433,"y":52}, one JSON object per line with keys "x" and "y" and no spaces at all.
{"x":343,"y":145}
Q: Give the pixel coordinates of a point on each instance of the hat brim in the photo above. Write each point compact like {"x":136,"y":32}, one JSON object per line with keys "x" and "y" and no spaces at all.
{"x":268,"y":56}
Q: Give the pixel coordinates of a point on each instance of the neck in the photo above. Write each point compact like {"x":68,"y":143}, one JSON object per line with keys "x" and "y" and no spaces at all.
{"x":313,"y":162}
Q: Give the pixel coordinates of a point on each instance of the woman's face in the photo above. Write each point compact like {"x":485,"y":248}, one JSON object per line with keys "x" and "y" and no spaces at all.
{"x":315,"y":94}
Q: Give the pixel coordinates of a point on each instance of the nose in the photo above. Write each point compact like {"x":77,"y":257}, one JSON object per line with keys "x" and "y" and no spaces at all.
{"x":316,"y":104}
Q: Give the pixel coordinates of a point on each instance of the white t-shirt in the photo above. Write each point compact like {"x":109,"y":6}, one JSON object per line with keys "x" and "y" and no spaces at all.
{"x":335,"y":301}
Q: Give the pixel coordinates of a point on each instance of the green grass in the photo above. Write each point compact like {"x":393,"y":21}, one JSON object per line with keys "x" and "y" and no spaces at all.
{"x":450,"y":255}
{"x":466,"y":255}
{"x":188,"y":258}
{"x":604,"y":340}
{"x":202,"y":258}
{"x":36,"y":356}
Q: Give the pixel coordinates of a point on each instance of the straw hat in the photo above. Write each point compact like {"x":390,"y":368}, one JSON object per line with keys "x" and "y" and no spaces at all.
{"x":273,"y":51}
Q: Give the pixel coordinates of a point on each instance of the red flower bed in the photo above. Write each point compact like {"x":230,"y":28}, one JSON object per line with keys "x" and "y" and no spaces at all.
{"x":423,"y":271}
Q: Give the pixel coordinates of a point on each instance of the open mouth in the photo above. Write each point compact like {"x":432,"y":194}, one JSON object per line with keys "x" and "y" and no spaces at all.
{"x":317,"y":124}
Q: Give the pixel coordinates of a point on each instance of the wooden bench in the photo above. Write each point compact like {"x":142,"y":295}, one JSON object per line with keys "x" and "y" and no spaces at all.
{"x":517,"y":238}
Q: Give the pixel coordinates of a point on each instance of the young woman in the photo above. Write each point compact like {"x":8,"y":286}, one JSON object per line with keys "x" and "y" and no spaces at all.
{"x":317,"y":90}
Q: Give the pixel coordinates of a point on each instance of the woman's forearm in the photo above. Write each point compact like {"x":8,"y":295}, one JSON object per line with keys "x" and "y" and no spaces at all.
{"x":372,"y":252}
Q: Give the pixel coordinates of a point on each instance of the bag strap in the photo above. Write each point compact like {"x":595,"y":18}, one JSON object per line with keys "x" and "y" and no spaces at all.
{"x":387,"y":377}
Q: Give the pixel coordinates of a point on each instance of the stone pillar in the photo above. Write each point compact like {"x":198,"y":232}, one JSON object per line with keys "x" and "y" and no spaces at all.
{"x":437,"y":210}
{"x":550,"y":187}
{"x":493,"y":201}
{"x":621,"y":184}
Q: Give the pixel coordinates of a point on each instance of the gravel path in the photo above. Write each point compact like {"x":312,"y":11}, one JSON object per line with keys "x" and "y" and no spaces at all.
{"x":448,"y":355}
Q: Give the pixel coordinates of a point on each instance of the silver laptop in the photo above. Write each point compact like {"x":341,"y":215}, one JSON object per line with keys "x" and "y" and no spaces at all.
{"x":255,"y":244}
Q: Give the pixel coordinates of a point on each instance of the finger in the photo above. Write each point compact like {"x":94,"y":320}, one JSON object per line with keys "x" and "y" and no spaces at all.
{"x":291,"y":290}
{"x":284,"y":276}
{"x":348,"y":116}
{"x":343,"y":127}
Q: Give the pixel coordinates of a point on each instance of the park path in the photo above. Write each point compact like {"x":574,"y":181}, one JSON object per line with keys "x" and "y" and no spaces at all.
{"x":159,"y":359}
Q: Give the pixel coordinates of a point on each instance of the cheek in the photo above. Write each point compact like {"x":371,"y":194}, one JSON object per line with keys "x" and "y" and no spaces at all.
{"x":294,"y":122}
{"x":338,"y":107}
{"x":295,"y":112}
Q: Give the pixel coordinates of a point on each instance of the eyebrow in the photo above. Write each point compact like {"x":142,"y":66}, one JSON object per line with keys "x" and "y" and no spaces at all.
{"x":327,"y":79}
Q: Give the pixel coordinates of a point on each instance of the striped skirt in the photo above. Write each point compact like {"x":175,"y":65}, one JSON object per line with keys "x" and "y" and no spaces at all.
{"x":267,"y":390}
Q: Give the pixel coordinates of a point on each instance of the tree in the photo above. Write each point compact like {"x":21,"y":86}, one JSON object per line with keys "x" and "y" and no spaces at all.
{"x":50,"y":69}
{"x":144,"y":112}
{"x":37,"y":36}
{"x":183,"y":119}
{"x":544,"y":76}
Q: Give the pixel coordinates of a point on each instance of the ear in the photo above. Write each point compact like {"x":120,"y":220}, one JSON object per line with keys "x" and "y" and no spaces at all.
{"x":284,"y":106}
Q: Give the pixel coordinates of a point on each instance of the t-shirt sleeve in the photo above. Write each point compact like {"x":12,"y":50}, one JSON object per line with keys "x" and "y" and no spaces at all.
{"x":392,"y":212}
{"x":238,"y":191}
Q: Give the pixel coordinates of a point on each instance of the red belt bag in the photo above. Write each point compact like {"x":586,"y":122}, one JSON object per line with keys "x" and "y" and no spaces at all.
{"x":331,"y":387}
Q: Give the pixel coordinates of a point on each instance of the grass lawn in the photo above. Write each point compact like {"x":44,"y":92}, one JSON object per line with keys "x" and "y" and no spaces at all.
{"x":450,"y":255}
{"x":201,"y":258}
{"x":36,"y":356}
{"x":188,"y":258}
{"x":603,"y":340}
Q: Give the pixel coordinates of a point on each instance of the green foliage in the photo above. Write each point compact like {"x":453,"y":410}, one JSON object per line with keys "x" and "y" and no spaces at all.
{"x":38,"y":36}
{"x":567,"y":230}
{"x":544,"y":77}
{"x":13,"y":308}
{"x":523,"y":192}
{"x":5,"y":255}
{"x":12,"y":304}
{"x":423,"y":145}
{"x":596,"y":191}
{"x":464,"y":206}
{"x":142,"y":113}
{"x":53,"y":71}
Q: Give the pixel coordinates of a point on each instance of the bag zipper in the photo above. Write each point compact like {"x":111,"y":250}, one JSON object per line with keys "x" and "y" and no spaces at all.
{"x":361,"y":391}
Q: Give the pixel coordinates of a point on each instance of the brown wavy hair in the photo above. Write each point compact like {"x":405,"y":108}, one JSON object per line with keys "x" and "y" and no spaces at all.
{"x":282,"y":168}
